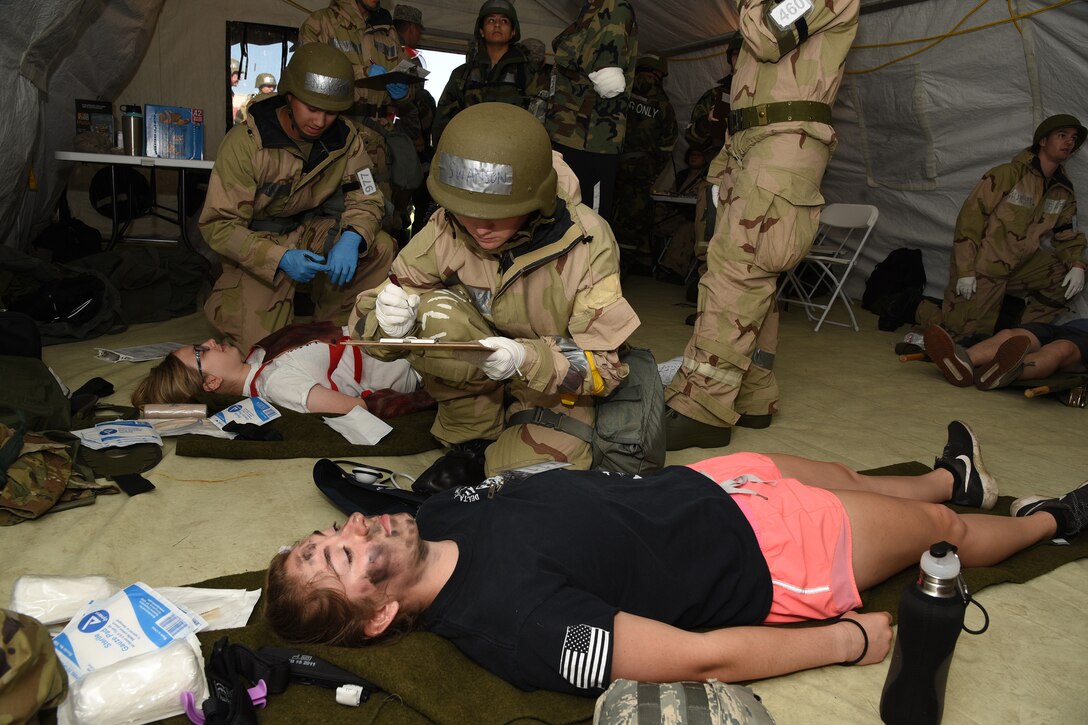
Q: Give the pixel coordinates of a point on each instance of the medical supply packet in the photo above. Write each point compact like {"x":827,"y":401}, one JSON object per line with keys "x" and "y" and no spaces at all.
{"x":117,"y":434}
{"x":254,"y":410}
{"x":135,"y":620}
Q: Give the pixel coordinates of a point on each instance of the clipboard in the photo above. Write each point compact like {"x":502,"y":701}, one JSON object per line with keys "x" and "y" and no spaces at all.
{"x":379,"y":82}
{"x":408,"y":343}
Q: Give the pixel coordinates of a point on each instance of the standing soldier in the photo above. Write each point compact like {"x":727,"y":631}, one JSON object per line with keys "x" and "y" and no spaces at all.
{"x":594,"y":68}
{"x":408,"y":20}
{"x":509,"y":257}
{"x":266,"y":83}
{"x":709,"y":117}
{"x":292,"y":200}
{"x":364,"y":32}
{"x":497,"y":69}
{"x":1000,"y":233}
{"x":780,"y":140}
{"x":647,"y":150}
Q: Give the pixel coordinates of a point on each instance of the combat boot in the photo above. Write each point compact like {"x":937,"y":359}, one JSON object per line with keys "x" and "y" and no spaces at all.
{"x":684,"y":432}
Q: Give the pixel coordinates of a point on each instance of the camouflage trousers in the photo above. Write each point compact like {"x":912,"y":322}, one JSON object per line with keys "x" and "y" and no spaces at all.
{"x":633,"y":211}
{"x":244,"y":308}
{"x":31,"y":677}
{"x":472,"y":406}
{"x":768,"y":214}
{"x":1038,"y":279}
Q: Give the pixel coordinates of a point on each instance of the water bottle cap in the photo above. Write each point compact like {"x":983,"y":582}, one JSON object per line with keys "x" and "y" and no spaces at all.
{"x":941,"y":561}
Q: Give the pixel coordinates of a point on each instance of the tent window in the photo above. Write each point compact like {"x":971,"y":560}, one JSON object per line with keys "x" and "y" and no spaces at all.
{"x":893,"y":116}
{"x":258,"y":48}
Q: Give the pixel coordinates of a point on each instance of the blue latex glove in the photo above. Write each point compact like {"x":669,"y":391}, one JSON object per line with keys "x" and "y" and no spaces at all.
{"x":343,"y":257}
{"x":396,"y":91}
{"x":302,"y":265}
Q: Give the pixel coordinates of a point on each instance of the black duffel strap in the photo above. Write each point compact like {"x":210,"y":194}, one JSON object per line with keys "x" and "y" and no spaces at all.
{"x":767,"y":113}
{"x":551,"y":419}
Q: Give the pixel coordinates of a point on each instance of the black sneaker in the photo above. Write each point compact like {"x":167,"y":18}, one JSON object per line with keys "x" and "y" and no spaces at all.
{"x":684,"y":432}
{"x":1070,"y":510}
{"x":951,"y":359}
{"x":971,"y":484}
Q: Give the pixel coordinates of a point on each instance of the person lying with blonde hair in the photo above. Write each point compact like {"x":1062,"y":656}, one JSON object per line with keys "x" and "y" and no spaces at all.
{"x":303,"y":367}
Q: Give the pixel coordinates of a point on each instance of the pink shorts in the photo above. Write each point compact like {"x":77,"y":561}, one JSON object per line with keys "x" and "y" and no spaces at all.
{"x":804,"y":535}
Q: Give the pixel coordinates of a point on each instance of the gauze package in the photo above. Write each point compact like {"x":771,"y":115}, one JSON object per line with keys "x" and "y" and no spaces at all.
{"x":132,"y":622}
{"x":138,"y":689}
{"x":55,"y":599}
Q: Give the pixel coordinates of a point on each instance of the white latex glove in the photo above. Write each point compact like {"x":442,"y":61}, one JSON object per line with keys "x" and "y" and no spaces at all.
{"x":396,"y":311}
{"x":608,"y":82}
{"x":505,"y":361}
{"x":715,"y":189}
{"x":1073,"y":282}
{"x":966,"y":286}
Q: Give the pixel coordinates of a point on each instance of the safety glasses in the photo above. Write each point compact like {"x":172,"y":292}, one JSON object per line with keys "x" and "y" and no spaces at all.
{"x":198,"y":350}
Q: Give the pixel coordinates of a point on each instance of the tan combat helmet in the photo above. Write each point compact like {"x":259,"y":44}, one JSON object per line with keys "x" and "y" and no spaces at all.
{"x":1062,"y":120}
{"x":494,"y":161}
{"x":265,"y":79}
{"x":500,"y":7}
{"x":319,"y":75}
{"x":235,"y":66}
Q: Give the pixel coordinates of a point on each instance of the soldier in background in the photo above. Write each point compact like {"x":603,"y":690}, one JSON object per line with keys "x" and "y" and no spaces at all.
{"x":364,"y":32}
{"x":496,"y":68}
{"x":708,"y":124}
{"x":591,"y":86}
{"x":292,"y":200}
{"x":1016,"y":232}
{"x":647,"y":150}
{"x":768,"y":188}
{"x":235,"y":72}
{"x":408,"y":20}
{"x":266,"y":84}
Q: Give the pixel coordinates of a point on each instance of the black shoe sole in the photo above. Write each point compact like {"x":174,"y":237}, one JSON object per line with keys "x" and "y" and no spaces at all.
{"x":754,"y":421}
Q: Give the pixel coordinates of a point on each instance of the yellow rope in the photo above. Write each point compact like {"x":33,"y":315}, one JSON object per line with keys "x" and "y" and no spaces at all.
{"x":952,"y":33}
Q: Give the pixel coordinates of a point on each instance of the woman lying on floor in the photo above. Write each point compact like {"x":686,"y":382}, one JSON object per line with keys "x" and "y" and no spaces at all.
{"x":302,"y":367}
{"x":567,"y":580}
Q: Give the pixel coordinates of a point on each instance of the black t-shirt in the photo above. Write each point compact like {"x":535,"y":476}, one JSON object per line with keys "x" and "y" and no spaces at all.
{"x":545,"y":563}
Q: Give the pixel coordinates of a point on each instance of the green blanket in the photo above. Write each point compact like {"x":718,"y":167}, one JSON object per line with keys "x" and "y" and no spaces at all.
{"x":431,"y":681}
{"x":305,"y":435}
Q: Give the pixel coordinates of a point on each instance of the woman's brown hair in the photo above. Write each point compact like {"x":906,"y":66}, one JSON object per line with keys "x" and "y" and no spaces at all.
{"x":171,"y":381}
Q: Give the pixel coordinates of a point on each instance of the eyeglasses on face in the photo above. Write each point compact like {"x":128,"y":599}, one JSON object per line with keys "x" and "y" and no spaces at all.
{"x":198,"y":350}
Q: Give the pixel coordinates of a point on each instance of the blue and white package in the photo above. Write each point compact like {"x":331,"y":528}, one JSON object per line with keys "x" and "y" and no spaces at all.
{"x":254,"y":410}
{"x":135,"y":620}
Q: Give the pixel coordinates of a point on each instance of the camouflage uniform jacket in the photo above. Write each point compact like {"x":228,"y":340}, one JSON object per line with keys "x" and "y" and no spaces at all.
{"x":512,"y":80}
{"x":1011,"y":211}
{"x":603,"y":36}
{"x":703,"y":133}
{"x":562,"y":286}
{"x":651,"y":125}
{"x":260,"y":174}
{"x":365,"y":38}
{"x":810,"y":72}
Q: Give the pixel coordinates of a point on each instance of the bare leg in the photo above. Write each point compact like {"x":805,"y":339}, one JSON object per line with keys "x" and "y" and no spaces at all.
{"x":891,"y":533}
{"x":983,"y":353}
{"x":1044,"y":362}
{"x":935,"y":486}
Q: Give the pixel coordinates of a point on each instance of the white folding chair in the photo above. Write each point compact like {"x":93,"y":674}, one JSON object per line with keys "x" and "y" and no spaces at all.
{"x":819,"y":279}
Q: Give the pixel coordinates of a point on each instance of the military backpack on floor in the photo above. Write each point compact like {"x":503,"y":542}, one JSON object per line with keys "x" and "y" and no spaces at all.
{"x":629,"y":702}
{"x":629,"y":435}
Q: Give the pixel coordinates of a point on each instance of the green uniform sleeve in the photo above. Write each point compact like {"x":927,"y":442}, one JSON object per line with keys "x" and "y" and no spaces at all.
{"x":1069,"y":241}
{"x":450,"y":103}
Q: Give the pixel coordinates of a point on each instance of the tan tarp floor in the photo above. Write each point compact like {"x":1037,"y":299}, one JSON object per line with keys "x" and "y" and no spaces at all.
{"x":845,"y":397}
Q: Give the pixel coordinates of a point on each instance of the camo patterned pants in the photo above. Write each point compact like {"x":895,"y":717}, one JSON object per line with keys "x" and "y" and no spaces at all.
{"x":472,"y":406}
{"x":768,"y":214}
{"x":1038,"y":279}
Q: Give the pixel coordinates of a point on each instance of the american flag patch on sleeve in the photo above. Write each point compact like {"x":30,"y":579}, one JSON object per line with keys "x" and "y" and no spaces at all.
{"x":585,"y":656}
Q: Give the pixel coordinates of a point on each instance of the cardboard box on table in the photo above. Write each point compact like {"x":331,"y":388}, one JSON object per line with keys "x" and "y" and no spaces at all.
{"x":173,"y":132}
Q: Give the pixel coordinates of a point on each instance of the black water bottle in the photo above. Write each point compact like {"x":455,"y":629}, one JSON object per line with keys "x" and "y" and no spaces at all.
{"x":931,"y":613}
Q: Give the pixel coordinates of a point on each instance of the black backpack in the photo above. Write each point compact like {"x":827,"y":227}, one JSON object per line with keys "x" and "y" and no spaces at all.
{"x":901,"y":271}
